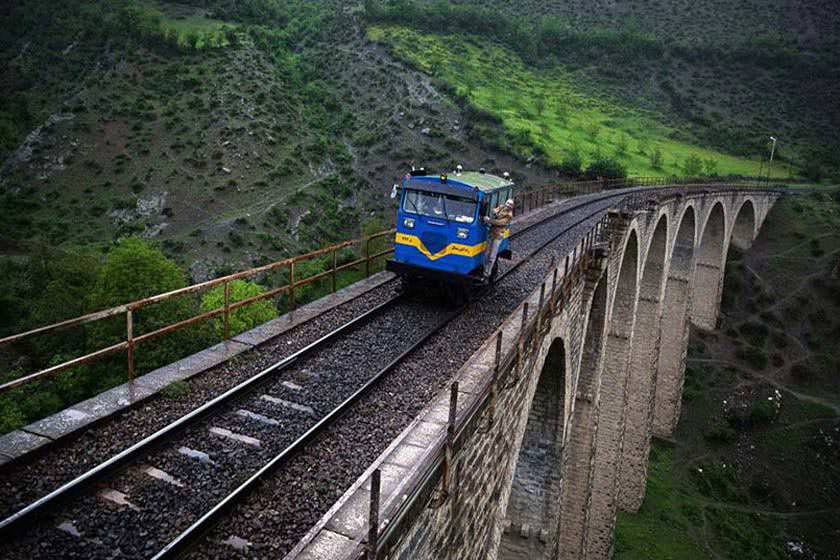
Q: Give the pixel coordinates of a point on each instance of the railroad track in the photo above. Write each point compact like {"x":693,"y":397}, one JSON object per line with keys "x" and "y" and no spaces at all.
{"x":256,"y":426}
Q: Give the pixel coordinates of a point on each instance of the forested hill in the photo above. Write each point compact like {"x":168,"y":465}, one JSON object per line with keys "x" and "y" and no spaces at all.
{"x":230,"y":132}
{"x":237,"y":131}
{"x":146,"y":144}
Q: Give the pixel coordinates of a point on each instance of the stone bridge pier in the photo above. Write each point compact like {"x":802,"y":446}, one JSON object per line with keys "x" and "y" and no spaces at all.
{"x":556,"y":435}
{"x":623,"y":341}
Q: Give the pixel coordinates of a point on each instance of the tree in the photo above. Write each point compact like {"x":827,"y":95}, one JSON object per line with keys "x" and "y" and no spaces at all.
{"x":621,"y":145}
{"x":230,"y":35}
{"x":68,"y":278}
{"x":243,"y":318}
{"x":692,"y":166}
{"x":607,"y":168}
{"x":369,"y":227}
{"x":710,"y":167}
{"x":656,"y":158}
{"x":192,"y":39}
{"x":571,"y":164}
{"x":135,"y":270}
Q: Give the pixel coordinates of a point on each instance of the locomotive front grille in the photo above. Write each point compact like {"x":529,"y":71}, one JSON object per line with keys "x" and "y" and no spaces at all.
{"x":434,"y":242}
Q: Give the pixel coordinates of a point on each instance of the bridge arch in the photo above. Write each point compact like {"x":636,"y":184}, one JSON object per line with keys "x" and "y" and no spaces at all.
{"x":577,"y":450}
{"x":611,"y":399}
{"x":708,"y":272}
{"x":534,"y":499}
{"x":673,"y":330}
{"x":745,"y":226}
{"x":644,"y":356}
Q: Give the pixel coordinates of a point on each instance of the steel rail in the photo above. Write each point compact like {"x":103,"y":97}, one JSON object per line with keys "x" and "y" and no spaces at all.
{"x":114,"y":463}
{"x":398,"y":514}
{"x":200,"y":526}
{"x":119,"y":459}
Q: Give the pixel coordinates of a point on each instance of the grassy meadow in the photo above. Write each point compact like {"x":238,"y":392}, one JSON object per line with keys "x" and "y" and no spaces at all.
{"x":545,"y":112}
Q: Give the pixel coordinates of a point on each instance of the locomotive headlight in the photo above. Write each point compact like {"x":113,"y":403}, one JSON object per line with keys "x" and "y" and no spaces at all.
{"x":463,"y":233}
{"x":409,"y":223}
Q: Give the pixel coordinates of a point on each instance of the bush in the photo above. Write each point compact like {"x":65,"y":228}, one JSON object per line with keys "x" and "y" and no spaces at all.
{"x":135,"y":270}
{"x":175,"y":390}
{"x":755,"y":358}
{"x":607,"y":168}
{"x":763,"y":412}
{"x":813,"y":170}
{"x":710,"y":167}
{"x":692,"y":166}
{"x":243,"y":318}
{"x":572,"y":165}
{"x":656,"y":158}
{"x":720,"y":432}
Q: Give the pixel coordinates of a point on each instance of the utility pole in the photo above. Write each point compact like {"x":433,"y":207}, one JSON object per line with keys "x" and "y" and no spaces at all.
{"x":772,"y":151}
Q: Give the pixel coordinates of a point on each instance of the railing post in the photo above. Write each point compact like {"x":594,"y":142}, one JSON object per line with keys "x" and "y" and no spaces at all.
{"x":450,"y":437}
{"x":373,"y":517}
{"x":524,"y":318}
{"x":367,"y":257}
{"x":292,"y":285}
{"x":334,"y":261}
{"x":493,"y":383}
{"x":129,"y":330}
{"x":227,"y":310}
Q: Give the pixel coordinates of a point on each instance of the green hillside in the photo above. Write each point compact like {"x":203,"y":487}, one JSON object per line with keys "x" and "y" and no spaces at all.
{"x":714,"y":74}
{"x":545,"y":113}
{"x":229,"y":133}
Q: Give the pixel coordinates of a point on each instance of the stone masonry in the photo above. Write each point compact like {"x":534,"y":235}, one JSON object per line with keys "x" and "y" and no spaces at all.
{"x":569,"y":439}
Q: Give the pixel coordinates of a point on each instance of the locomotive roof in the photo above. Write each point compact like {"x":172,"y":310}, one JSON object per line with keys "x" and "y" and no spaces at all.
{"x":484,"y":182}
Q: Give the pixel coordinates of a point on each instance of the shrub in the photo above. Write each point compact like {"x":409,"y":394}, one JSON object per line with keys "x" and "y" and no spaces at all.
{"x":813,"y":169}
{"x":710,"y":167}
{"x":720,"y":432}
{"x":763,"y":411}
{"x":656,"y":158}
{"x":621,"y":145}
{"x":754,"y":357}
{"x":175,"y":390}
{"x":692,"y":166}
{"x":11,"y":416}
{"x":755,"y":333}
{"x":607,"y":168}
{"x":571,"y":165}
{"x":136,"y":270}
{"x":243,"y":318}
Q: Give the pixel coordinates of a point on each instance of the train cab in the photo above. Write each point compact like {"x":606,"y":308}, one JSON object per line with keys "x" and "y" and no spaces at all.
{"x":441,"y":237}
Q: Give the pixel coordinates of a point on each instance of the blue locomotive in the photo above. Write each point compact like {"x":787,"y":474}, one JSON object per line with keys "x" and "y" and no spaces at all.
{"x":441,"y":237}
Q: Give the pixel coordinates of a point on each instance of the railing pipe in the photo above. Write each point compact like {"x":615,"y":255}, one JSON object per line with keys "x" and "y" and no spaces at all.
{"x":227,"y":311}
{"x":129,"y":338}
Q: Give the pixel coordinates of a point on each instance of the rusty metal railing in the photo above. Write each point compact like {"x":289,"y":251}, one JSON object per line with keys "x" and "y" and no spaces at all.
{"x":430,"y":486}
{"x":525,"y":202}
{"x":128,"y":310}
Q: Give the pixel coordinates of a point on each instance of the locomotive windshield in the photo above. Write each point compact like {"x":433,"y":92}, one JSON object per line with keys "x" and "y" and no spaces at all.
{"x":461,"y":210}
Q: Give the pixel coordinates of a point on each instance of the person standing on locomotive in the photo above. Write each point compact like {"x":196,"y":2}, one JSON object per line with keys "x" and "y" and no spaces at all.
{"x":502,"y":216}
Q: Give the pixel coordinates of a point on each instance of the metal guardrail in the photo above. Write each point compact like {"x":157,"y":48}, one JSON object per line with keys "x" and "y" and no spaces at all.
{"x":433,"y":479}
{"x":524,"y":202}
{"x":131,"y":341}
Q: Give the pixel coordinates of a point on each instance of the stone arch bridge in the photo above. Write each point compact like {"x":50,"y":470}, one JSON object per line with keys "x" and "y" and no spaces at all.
{"x":554,"y":453}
